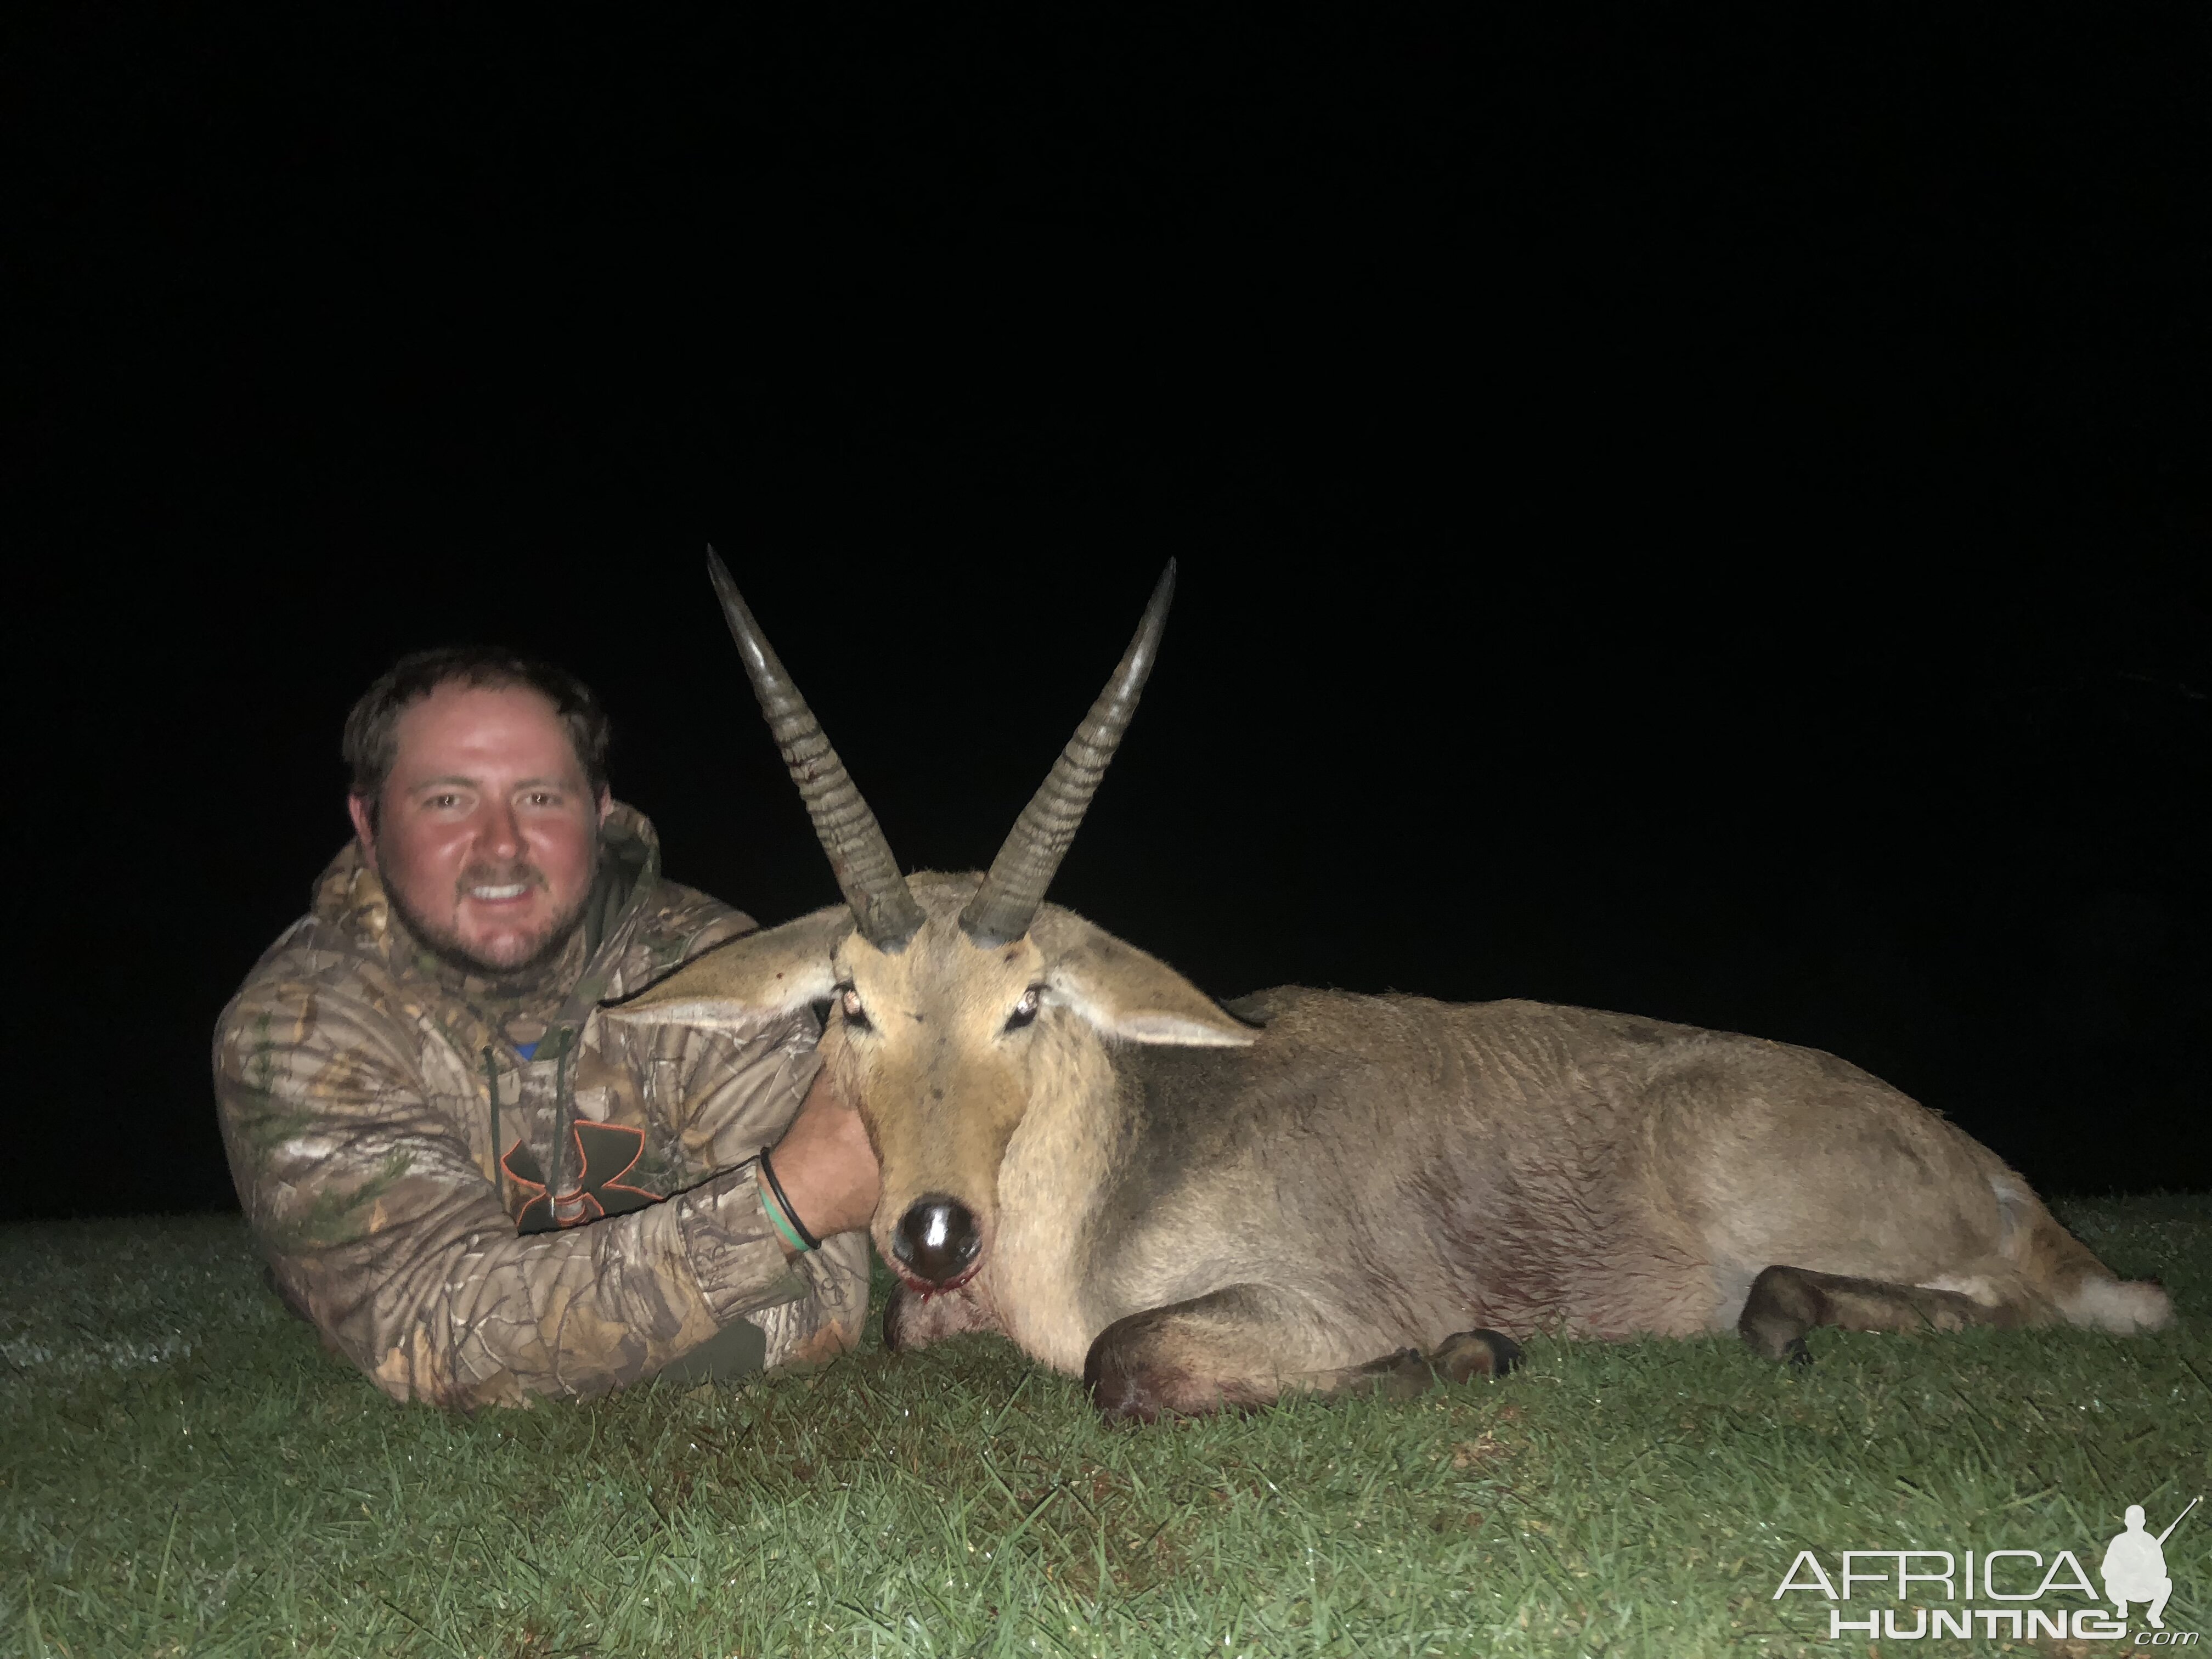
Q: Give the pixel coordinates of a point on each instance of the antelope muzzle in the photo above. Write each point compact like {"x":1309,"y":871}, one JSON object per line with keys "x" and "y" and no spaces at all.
{"x":937,"y":1242}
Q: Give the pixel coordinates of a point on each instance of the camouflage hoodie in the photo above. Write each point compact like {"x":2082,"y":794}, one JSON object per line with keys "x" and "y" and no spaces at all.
{"x":417,"y":1170}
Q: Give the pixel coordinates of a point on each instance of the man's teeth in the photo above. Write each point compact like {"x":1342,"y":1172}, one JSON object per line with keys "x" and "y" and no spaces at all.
{"x":514,"y":891}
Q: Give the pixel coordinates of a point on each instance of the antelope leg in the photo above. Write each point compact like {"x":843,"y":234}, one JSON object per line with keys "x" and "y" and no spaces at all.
{"x":1241,"y":1346}
{"x":1787,"y":1302}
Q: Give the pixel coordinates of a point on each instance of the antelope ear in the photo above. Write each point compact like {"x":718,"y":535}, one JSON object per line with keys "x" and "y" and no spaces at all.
{"x":1139,"y":998}
{"x":739,"y":985}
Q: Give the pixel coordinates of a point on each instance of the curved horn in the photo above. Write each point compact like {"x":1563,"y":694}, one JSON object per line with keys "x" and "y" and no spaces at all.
{"x":866,"y":872}
{"x":1007,"y":901}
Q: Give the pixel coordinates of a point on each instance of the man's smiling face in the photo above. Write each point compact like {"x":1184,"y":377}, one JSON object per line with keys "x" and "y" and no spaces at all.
{"x":486,"y":835}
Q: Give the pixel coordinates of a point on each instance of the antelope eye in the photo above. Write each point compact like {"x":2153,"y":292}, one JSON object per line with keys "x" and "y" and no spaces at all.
{"x":1026,"y":1009}
{"x":849,"y":1000}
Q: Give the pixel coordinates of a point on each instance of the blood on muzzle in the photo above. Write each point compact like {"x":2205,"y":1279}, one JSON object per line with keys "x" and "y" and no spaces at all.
{"x":937,"y":1238}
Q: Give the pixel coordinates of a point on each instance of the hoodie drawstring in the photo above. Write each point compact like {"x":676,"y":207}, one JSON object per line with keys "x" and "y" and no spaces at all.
{"x":556,"y":1177}
{"x":498,"y":1162}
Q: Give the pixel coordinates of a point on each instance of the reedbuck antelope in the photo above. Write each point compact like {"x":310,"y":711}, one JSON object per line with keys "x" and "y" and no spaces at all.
{"x":1197,"y":1207}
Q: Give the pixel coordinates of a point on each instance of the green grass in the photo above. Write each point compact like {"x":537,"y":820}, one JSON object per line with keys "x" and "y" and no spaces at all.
{"x":183,"y":1471}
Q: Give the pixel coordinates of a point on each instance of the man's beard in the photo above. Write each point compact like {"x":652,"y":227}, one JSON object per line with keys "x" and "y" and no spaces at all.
{"x":446,"y":946}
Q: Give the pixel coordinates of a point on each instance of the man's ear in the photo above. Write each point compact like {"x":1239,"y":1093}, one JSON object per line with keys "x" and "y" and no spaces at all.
{"x":607,"y":803}
{"x":361,"y":811}
{"x":1129,"y":994}
{"x":739,"y":985}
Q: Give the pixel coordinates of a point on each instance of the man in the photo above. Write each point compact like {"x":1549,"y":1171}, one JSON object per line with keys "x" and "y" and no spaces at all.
{"x":476,"y":1188}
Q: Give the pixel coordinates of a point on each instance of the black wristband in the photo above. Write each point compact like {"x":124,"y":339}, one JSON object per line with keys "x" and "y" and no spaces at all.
{"x":767,"y":1173}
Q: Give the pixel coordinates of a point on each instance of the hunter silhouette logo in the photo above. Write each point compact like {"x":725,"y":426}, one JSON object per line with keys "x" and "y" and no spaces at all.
{"x":603,"y":1154}
{"x":2135,"y":1565}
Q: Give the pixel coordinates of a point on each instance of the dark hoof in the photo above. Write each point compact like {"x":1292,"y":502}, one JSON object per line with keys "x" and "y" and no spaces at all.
{"x":1469,"y":1354}
{"x":1798,"y":1354}
{"x":1405,"y":1375}
{"x":1409,"y":1373}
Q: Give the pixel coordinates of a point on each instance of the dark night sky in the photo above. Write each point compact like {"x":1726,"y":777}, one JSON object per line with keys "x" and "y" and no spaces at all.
{"x":1712,"y":525}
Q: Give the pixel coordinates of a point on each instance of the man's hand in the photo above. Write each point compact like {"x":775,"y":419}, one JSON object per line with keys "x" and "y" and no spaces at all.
{"x":826,"y":1165}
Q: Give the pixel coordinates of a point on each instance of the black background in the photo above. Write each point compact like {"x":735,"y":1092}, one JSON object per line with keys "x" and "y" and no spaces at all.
{"x":1700,"y":518}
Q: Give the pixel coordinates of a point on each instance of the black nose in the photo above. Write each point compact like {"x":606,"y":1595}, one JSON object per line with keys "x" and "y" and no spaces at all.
{"x":936,"y":1238}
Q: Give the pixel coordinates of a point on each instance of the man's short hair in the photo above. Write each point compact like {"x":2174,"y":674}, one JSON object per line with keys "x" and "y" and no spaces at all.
{"x":371,"y":746}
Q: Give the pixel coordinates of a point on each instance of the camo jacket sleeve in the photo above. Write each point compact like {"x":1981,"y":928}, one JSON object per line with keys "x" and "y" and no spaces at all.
{"x":361,"y":1148}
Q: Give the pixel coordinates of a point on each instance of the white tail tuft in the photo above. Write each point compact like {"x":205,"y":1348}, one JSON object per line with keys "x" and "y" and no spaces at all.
{"x":2124,"y":1307}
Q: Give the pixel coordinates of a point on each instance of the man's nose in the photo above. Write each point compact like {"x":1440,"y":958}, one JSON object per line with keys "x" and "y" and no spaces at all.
{"x":498,"y":834}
